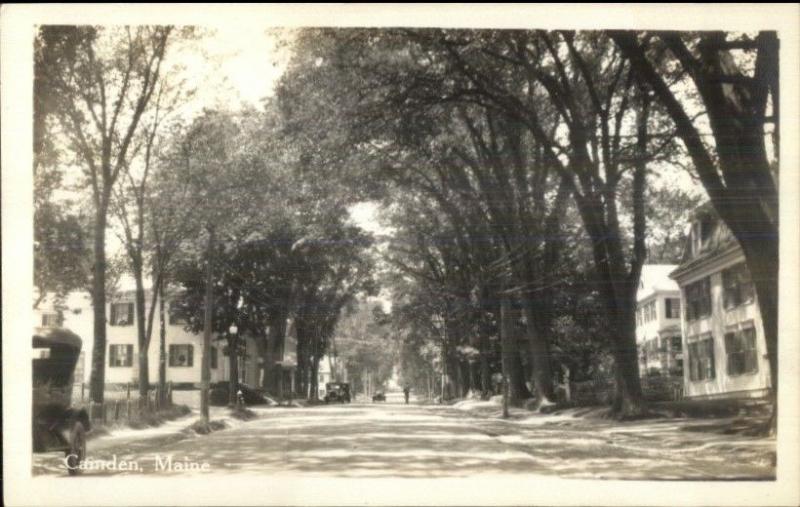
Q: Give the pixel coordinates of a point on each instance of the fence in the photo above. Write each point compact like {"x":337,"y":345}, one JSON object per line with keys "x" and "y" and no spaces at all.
{"x":601,"y":391}
{"x":119,"y":406}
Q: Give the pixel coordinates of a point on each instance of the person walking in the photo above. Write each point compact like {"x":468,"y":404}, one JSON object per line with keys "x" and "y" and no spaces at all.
{"x":406,"y":393}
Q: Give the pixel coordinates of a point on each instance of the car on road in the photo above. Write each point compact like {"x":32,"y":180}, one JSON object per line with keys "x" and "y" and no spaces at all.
{"x":57,"y":425}
{"x":337,"y":391}
{"x":379,"y":396}
{"x":220,"y":394}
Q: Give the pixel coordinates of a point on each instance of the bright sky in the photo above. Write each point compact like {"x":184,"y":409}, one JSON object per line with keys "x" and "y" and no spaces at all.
{"x":232,"y":66}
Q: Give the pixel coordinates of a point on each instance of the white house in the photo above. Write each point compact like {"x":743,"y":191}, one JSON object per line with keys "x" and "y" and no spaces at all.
{"x":183,"y":349}
{"x":722,"y":329}
{"x":658,"y":323}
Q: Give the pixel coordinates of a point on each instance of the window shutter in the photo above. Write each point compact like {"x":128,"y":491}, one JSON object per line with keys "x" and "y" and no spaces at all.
{"x":190,"y":356}
{"x":129,"y":354}
{"x":112,"y":355}
{"x":130,"y":314}
{"x":113,"y":312}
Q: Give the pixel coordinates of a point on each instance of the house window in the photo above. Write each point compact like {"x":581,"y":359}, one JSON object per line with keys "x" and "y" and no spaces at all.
{"x":120,"y":355}
{"x":698,"y":299}
{"x":676,"y":344}
{"x":701,"y":234}
{"x":701,"y":359}
{"x":181,"y":355}
{"x":213,"y":358}
{"x":121,"y":314}
{"x":53,"y":319}
{"x":737,"y":286}
{"x":740,"y":347}
{"x":672,"y":308}
{"x":175,"y":319}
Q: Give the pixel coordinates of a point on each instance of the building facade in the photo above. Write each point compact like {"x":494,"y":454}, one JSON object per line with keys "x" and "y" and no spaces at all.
{"x":658,"y":322}
{"x":723,"y":335}
{"x":183,"y":349}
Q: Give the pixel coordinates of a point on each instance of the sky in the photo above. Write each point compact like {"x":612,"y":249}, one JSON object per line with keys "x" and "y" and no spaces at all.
{"x":232,"y":66}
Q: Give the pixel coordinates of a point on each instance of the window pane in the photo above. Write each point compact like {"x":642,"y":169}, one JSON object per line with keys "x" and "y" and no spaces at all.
{"x":180,"y":355}
{"x":750,"y":351}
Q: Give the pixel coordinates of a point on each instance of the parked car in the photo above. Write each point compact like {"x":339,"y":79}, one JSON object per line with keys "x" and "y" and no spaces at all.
{"x":337,"y":391}
{"x":57,"y":426}
{"x":220,"y":394}
{"x":379,"y":396}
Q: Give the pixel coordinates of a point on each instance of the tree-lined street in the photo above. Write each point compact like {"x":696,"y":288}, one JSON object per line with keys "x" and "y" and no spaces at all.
{"x":396,"y":440}
{"x":466,"y":215}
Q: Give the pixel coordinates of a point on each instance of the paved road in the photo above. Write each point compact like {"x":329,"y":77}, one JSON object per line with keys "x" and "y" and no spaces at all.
{"x":396,"y":440}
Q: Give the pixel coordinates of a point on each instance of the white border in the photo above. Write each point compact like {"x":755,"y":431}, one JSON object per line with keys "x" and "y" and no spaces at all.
{"x":16,"y":27}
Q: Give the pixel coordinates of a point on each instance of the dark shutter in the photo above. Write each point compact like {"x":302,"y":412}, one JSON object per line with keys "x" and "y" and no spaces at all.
{"x":113,"y":312}
{"x":112,"y":355}
{"x":712,"y":370}
{"x":190,"y":355}
{"x":130,"y":314}
{"x":129,"y":350}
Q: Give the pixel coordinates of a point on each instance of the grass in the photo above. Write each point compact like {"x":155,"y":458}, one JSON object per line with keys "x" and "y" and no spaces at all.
{"x":204,"y":428}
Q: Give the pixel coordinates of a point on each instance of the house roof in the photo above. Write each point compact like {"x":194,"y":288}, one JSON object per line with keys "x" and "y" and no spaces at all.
{"x":720,"y":242}
{"x":655,"y":278}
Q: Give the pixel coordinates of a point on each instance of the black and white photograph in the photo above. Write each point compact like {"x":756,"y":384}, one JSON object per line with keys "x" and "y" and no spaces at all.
{"x":437,"y":254}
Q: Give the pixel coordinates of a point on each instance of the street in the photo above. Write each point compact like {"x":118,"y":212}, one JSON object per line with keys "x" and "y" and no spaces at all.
{"x":396,"y":440}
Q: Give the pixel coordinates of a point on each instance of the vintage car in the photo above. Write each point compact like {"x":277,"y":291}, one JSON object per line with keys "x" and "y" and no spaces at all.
{"x":337,"y":391}
{"x":57,"y":426}
{"x":379,"y":396}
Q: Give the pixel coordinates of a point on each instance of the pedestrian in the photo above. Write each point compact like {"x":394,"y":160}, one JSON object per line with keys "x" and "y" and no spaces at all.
{"x":406,"y":392}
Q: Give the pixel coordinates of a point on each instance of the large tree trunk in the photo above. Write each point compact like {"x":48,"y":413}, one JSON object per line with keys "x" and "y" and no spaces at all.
{"x":764,"y":272}
{"x":485,"y":370}
{"x":162,"y":345}
{"x":98,"y":374}
{"x":314,"y":374}
{"x":512,"y":364}
{"x":141,"y":331}
{"x":628,"y":400}
{"x":272,"y":353}
{"x":205,"y":364}
{"x":539,"y":350}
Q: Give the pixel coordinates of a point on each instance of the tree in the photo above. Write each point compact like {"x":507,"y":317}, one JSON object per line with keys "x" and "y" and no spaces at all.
{"x":479,"y":160}
{"x":61,"y":250}
{"x":132,"y":205}
{"x":564,"y":101}
{"x":333,"y":270}
{"x":364,"y":339}
{"x":98,"y":82}
{"x":737,"y":172}
{"x":217,"y":155}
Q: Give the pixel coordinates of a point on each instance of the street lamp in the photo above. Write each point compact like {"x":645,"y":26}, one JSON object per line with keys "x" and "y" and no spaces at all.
{"x":234,"y":354}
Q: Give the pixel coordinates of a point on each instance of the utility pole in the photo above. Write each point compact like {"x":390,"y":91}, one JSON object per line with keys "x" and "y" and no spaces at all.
{"x":444,"y":355}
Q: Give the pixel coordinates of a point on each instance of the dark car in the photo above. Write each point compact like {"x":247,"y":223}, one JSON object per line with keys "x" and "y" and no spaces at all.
{"x":57,"y":426}
{"x":337,"y":391}
{"x":220,"y":394}
{"x":379,"y":396}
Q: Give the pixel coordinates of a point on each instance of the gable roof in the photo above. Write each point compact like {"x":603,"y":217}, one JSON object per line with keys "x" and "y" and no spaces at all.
{"x":655,"y":278}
